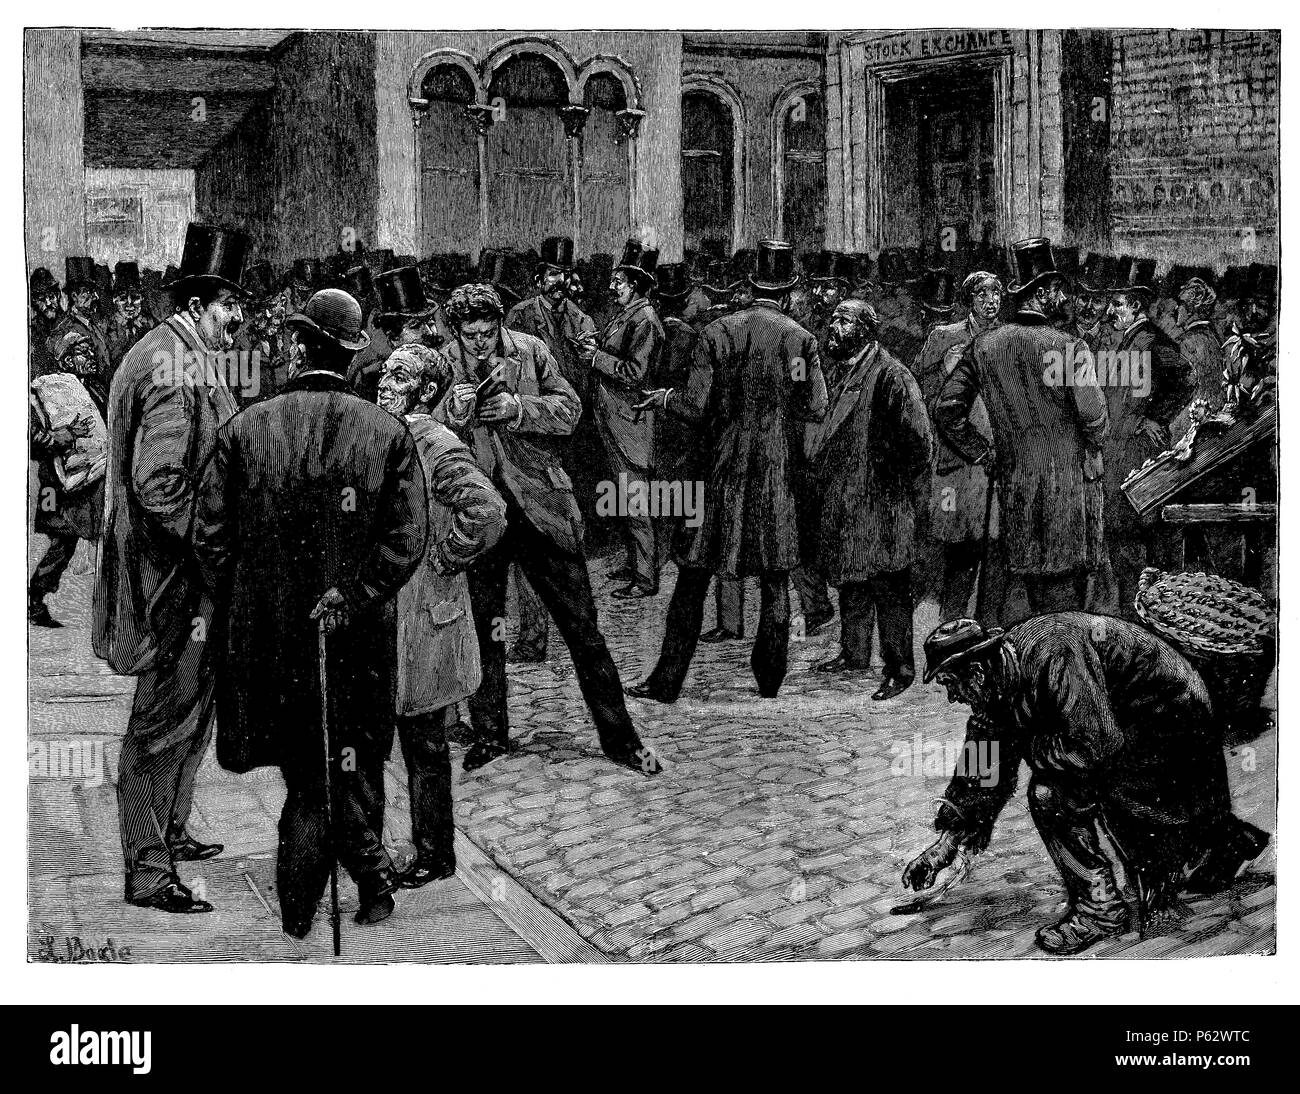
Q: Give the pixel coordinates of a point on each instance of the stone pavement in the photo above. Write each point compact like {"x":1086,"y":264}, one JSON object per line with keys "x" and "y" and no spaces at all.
{"x":777,"y":832}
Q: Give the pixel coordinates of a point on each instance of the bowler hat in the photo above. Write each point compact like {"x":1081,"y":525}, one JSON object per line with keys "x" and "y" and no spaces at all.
{"x":334,"y":314}
{"x":126,"y":278}
{"x":937,"y":290}
{"x":42,"y":281}
{"x":557,"y":251}
{"x":639,"y":263}
{"x":672,"y":281}
{"x":774,"y":269}
{"x":78,"y":271}
{"x":402,"y":294}
{"x":1034,"y":264}
{"x":955,"y":641}
{"x":211,"y":254}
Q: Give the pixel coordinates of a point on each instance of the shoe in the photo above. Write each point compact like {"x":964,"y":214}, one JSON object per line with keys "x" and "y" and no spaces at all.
{"x":638,"y":758}
{"x":645,"y":690}
{"x":173,"y":897}
{"x":1075,"y":933}
{"x":189,"y":849}
{"x":839,"y":664}
{"x":720,"y":634}
{"x":1220,"y":867}
{"x":375,"y":910}
{"x":525,"y":654}
{"x":813,"y":623}
{"x":298,"y":929}
{"x":423,"y":871}
{"x":635,"y":592}
{"x":893,"y":685}
{"x":481,"y":753}
{"x":39,"y":614}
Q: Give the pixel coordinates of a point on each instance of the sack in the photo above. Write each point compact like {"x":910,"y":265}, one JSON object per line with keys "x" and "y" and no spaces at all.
{"x":59,"y":399}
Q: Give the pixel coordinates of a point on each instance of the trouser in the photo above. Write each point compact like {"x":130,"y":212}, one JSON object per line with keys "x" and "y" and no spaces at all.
{"x":1068,"y":827}
{"x":961,"y":567}
{"x":638,"y":527}
{"x":813,"y":592}
{"x":886,"y":597}
{"x":561,"y":580}
{"x":49,"y":571}
{"x":1056,"y":592}
{"x":729,"y":600}
{"x":534,"y":623}
{"x":166,"y":737}
{"x":682,"y":632}
{"x":428,"y":777}
{"x":306,"y":848}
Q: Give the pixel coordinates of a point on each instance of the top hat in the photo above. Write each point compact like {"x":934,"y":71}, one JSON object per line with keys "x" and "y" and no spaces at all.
{"x":306,"y":271}
{"x":557,"y":251}
{"x":1179,"y":275}
{"x":639,"y":263}
{"x":774,"y":269}
{"x":78,"y":271}
{"x":1261,"y":282}
{"x":713,"y":248}
{"x":259,"y":281}
{"x":377,"y":261}
{"x":897,"y":266}
{"x":1233,"y":282}
{"x":1099,"y":273}
{"x":1136,"y":275}
{"x":336,"y":315}
{"x":1034,"y":264}
{"x":955,"y":641}
{"x":358,"y":281}
{"x":103,"y":279}
{"x":1067,"y":262}
{"x":126,"y":277}
{"x":864,"y":268}
{"x":401,"y":261}
{"x":937,"y":290}
{"x":212,"y":254}
{"x":672,"y":281}
{"x":402,"y":294}
{"x":738,"y":269}
{"x":833,"y":266}
{"x":697,"y":265}
{"x":504,"y":271}
{"x":42,"y":281}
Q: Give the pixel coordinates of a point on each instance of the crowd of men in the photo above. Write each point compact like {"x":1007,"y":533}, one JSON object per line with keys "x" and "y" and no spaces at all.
{"x":320,"y":525}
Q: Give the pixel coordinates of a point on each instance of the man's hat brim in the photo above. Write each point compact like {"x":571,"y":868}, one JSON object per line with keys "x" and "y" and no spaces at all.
{"x":995,"y":637}
{"x":297,"y":319}
{"x":191,"y":280}
{"x":642,"y":277}
{"x":773,"y":286}
{"x":1034,"y":282}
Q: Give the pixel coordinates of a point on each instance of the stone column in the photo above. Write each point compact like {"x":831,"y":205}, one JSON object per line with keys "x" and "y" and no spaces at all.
{"x":53,"y":139}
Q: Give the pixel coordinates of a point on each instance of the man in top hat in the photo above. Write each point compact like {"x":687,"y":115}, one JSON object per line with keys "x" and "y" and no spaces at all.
{"x":263,"y":337}
{"x":312,"y":515}
{"x":830,"y":277}
{"x":1199,"y":346}
{"x":82,"y":314}
{"x":129,"y":322}
{"x":870,"y":459}
{"x":1126,"y":758}
{"x":1048,"y":426}
{"x":901,"y":330}
{"x":153,"y":616}
{"x":69,"y":462}
{"x":699,"y":301}
{"x":623,"y":366}
{"x":47,"y":305}
{"x":1146,"y":383}
{"x":959,"y":490}
{"x":509,"y":403}
{"x":1088,"y":318}
{"x":756,"y":377}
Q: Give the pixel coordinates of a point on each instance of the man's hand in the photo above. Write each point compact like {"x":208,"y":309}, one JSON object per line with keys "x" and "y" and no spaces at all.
{"x":333,"y":609}
{"x":658,"y":398}
{"x":503,"y":407}
{"x":1154,"y":432}
{"x":921,"y":871}
{"x":460,"y":403}
{"x":81,"y":426}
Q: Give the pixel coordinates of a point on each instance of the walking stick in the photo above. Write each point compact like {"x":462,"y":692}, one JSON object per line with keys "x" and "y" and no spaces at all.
{"x":982,"y":580}
{"x":329,"y":787}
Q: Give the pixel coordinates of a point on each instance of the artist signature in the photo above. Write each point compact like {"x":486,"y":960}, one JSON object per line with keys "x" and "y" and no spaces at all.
{"x":74,"y":950}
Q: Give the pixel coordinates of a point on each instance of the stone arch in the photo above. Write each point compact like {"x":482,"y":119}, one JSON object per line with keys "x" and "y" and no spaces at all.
{"x":455,"y":58}
{"x":612,"y":66}
{"x":545,"y":47}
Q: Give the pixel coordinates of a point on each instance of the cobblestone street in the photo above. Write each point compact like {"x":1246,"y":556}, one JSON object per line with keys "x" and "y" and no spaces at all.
{"x":778,"y":830}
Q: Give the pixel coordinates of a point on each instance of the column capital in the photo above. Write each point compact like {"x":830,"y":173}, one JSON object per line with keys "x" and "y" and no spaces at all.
{"x":482,"y":115}
{"x":629,"y":122}
{"x":574,"y":118}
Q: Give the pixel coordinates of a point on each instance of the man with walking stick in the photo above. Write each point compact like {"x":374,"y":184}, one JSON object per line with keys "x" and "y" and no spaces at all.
{"x":312,"y":515}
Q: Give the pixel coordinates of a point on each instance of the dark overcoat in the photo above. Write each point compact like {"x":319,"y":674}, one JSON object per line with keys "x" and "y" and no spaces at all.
{"x":625,"y":364}
{"x":313,"y":489}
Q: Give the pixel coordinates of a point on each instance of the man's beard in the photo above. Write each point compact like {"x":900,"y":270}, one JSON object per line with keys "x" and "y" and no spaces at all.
{"x":844,"y":349}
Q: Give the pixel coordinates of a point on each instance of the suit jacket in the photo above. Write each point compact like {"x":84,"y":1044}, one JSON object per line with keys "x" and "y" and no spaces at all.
{"x":1199,"y":347}
{"x":957,"y":489}
{"x":162,"y":426}
{"x":568,"y":333}
{"x":1047,"y":436}
{"x":522,"y":458}
{"x":313,"y":489}
{"x":626,"y":362}
{"x":121,"y":336}
{"x":755,"y":377}
{"x":437,"y":647}
{"x":871,"y":462}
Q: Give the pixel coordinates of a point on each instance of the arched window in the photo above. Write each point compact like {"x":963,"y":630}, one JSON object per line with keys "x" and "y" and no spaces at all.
{"x":799,"y":160}
{"x":605,"y":219}
{"x":708,"y":167}
{"x":449,"y":166}
{"x":529,"y":193}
